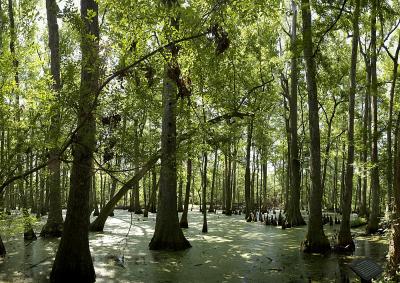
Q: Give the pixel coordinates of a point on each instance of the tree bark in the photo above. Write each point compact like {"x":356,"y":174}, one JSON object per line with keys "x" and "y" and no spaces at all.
{"x":184,"y":222}
{"x":294,"y":216}
{"x":180,"y":197}
{"x":204,"y":187}
{"x":168,"y":234}
{"x":389,"y":169}
{"x":315,"y":241}
{"x":211,"y":209}
{"x":73,"y":262}
{"x":54,"y":224}
{"x":373,"y":221}
{"x":228,"y":183}
{"x":247,"y":172}
{"x":344,"y":237}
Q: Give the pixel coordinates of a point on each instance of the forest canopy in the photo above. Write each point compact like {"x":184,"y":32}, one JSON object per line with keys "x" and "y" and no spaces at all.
{"x":243,"y":107}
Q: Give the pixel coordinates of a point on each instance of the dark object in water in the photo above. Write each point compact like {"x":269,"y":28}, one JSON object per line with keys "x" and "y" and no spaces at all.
{"x":366,"y":269}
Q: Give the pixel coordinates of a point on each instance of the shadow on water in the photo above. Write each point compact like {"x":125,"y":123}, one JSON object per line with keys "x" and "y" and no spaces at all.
{"x":232,"y":251}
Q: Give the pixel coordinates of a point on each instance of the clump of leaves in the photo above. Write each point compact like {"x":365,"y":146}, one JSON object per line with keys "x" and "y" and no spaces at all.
{"x":221,"y":38}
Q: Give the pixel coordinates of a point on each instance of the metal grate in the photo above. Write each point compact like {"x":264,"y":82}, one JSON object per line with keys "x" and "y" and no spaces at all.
{"x":366,"y":269}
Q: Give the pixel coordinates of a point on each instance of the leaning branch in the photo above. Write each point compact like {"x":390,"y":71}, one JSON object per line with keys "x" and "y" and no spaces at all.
{"x":330,"y":28}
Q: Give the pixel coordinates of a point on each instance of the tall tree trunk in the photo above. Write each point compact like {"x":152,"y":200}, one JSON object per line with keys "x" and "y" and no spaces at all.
{"x":264,"y":184}
{"x":54,"y":224}
{"x":344,"y":237}
{"x":389,"y":169}
{"x":180,"y":196}
{"x":233,"y":177}
{"x":168,"y":234}
{"x":184,"y":222}
{"x":73,"y":262}
{"x":315,"y":241}
{"x":29,"y":234}
{"x":204,"y":187}
{"x":394,"y":243}
{"x":247,"y":172}
{"x":228,"y":183}
{"x":373,"y":221}
{"x":366,"y":128}
{"x":214,"y":174}
{"x":294,"y":216}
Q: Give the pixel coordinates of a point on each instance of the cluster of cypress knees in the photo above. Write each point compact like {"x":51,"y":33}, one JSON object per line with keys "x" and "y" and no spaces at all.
{"x":273,"y":220}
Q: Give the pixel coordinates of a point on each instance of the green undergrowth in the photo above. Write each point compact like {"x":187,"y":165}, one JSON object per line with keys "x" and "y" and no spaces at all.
{"x":359,"y":221}
{"x":11,"y":225}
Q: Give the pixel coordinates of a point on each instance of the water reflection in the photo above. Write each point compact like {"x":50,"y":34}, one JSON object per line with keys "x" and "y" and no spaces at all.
{"x":232,"y":251}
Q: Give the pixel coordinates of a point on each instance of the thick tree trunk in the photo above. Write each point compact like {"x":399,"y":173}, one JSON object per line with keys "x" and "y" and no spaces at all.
{"x":316,"y":241}
{"x":373,"y":221}
{"x":168,"y":234}
{"x":211,"y":209}
{"x":184,"y":222}
{"x":247,"y":172}
{"x":344,"y":238}
{"x":294,"y":216}
{"x":73,"y":262}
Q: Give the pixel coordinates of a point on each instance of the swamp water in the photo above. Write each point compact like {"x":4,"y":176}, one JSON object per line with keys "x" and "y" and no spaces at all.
{"x":232,"y":251}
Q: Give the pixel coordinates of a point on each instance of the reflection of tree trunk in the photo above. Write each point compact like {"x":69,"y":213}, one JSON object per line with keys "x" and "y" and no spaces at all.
{"x":184,"y":222}
{"x":316,"y":241}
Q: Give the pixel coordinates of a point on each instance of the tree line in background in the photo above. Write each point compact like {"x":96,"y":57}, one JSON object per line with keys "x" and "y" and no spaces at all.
{"x":158,"y":105}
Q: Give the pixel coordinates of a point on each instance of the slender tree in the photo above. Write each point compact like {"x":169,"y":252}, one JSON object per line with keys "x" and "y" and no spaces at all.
{"x":294,"y":216}
{"x":373,"y":221}
{"x":204,"y":193}
{"x":316,"y":241}
{"x":344,"y":237}
{"x":53,"y":226}
{"x":184,"y":222}
{"x":247,"y":180}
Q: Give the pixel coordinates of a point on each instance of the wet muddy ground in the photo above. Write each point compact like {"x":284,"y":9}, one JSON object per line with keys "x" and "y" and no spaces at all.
{"x":232,"y":251}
